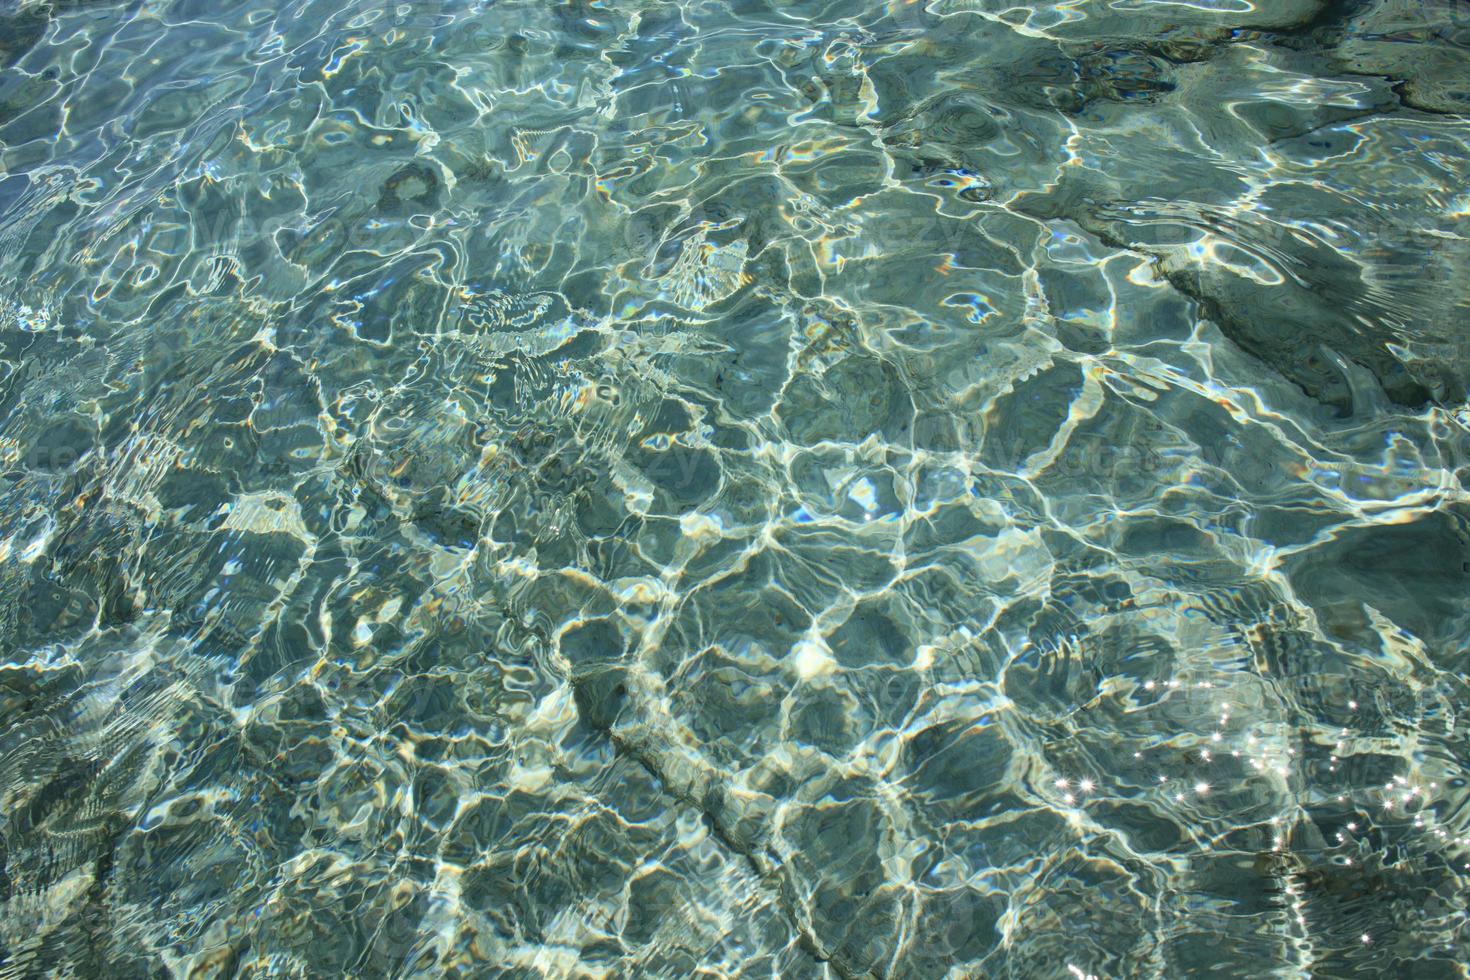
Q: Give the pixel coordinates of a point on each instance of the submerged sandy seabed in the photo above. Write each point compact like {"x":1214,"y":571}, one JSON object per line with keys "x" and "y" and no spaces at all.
{"x":733,"y":488}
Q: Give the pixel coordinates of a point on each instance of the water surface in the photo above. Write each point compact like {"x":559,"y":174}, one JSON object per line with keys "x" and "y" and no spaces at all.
{"x":734,"y":488}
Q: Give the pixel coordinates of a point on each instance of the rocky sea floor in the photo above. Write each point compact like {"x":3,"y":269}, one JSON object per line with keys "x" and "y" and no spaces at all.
{"x":734,"y":488}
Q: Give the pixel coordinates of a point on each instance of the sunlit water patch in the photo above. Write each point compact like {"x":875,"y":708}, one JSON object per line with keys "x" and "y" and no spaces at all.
{"x":619,"y":488}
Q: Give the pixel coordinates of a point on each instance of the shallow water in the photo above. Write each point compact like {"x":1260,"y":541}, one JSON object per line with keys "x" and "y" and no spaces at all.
{"x":734,"y":488}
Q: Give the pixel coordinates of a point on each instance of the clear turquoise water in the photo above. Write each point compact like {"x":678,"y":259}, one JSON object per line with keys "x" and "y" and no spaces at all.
{"x":734,"y":488}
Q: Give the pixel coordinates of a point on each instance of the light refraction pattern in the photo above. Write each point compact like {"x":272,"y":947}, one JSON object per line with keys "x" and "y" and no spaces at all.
{"x":747,"y":488}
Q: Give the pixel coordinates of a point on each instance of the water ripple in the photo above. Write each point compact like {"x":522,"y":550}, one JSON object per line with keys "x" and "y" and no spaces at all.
{"x":632,"y":488}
